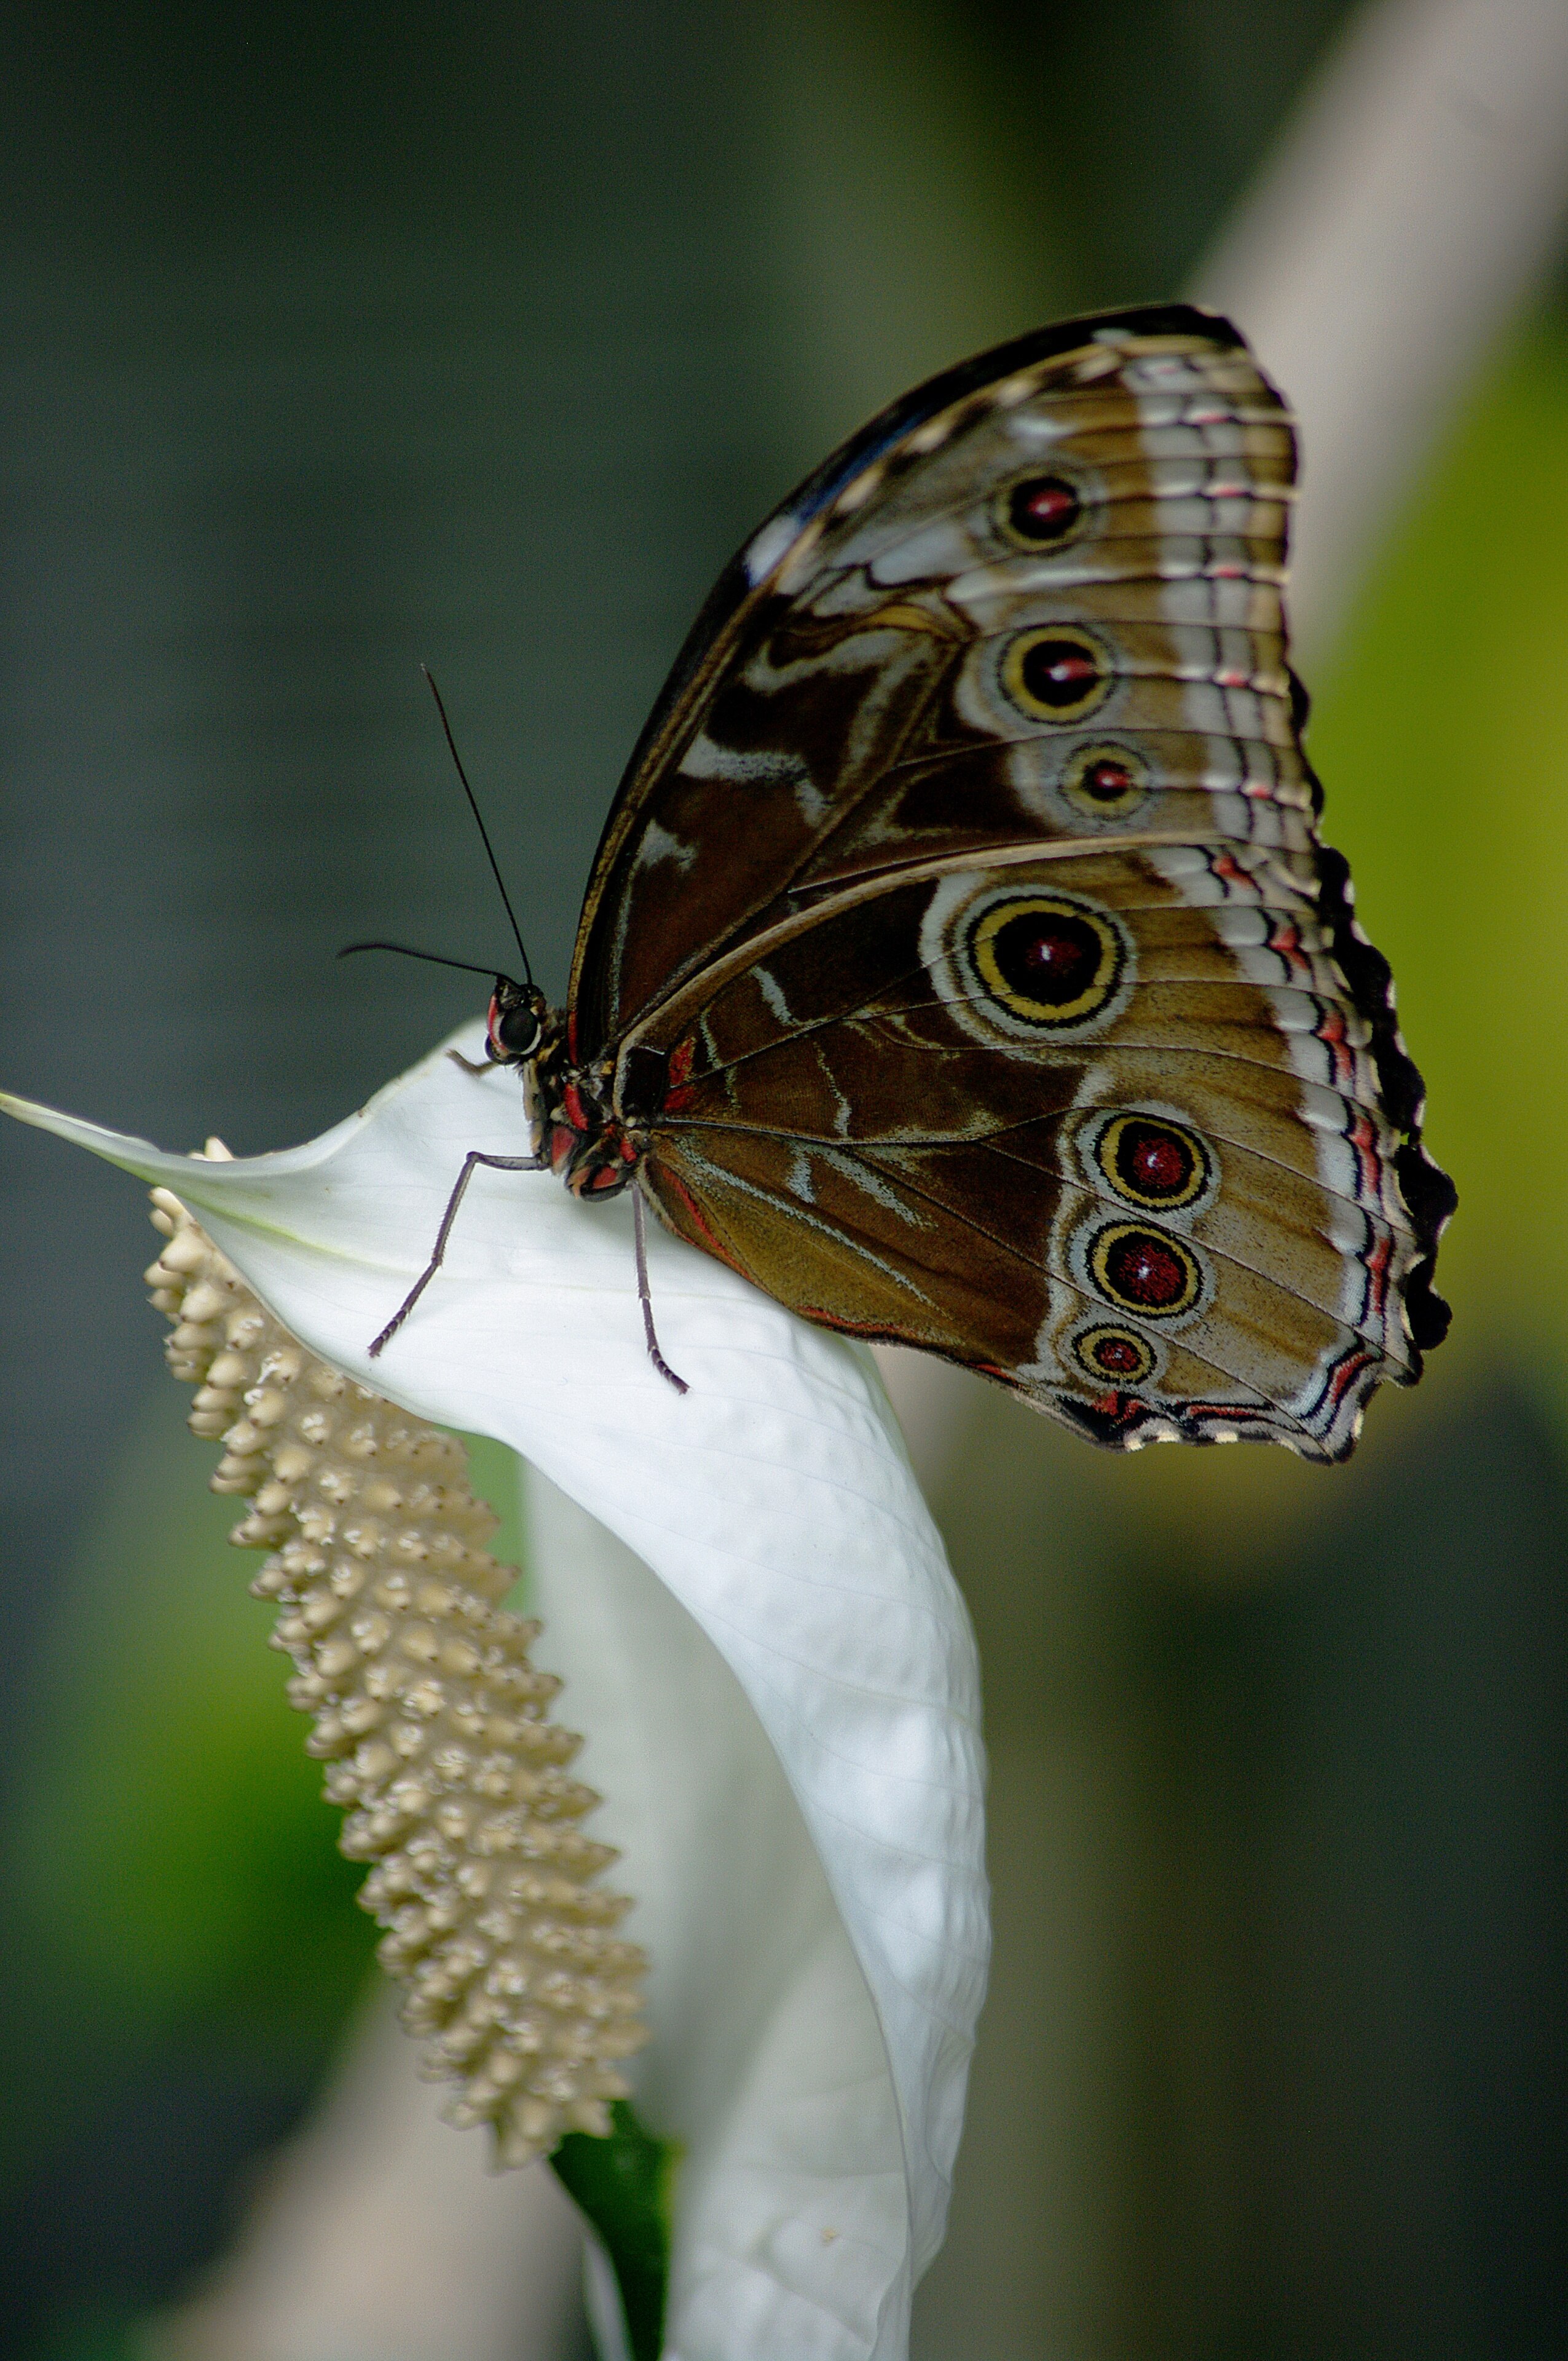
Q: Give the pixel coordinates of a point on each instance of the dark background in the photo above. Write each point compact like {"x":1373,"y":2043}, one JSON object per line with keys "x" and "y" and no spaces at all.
{"x":338,"y":339}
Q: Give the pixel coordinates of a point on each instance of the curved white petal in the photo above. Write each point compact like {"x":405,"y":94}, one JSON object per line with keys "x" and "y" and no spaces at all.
{"x":774,"y":1502}
{"x":767,"y":2060}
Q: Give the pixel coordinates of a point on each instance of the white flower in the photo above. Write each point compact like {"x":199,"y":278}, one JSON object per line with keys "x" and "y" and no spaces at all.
{"x":784,"y":1724}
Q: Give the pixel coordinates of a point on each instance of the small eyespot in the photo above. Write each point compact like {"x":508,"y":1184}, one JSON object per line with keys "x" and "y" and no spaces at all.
{"x":1105,"y":782}
{"x":1114,"y":1356}
{"x":1057,"y":672}
{"x":1040,"y":511}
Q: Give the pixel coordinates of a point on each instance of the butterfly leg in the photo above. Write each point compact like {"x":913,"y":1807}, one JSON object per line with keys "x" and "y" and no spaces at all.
{"x":475,"y":1157}
{"x":639,"y":1232}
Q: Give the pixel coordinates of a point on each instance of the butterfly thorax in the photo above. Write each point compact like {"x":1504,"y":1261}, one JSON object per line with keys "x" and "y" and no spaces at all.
{"x":577,"y":1128}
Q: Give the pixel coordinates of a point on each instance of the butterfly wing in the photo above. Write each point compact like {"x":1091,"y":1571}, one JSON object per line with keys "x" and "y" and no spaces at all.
{"x":962,"y":933}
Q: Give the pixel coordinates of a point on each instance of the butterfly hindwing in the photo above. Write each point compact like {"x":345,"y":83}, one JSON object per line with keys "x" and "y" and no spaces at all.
{"x":977,"y":1157}
{"x":965,"y":900}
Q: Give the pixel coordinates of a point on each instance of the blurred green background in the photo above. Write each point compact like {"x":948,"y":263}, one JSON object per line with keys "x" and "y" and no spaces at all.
{"x":338,"y":339}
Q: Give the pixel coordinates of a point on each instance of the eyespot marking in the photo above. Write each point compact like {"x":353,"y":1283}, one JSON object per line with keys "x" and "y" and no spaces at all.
{"x":1047,"y":959}
{"x":1112,"y":1355}
{"x":1105,"y":782}
{"x":1039,"y":512}
{"x":1057,"y":672}
{"x":1150,"y":1161}
{"x":1144,"y":1271}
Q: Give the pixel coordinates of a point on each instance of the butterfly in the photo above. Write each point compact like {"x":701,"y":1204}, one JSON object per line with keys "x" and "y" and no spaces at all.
{"x":960,"y":962}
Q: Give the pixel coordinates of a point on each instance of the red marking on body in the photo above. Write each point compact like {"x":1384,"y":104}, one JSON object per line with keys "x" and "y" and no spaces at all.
{"x":1379,"y":1263}
{"x":1161,"y":1164}
{"x":1286,"y":939}
{"x":680,"y":1092}
{"x":572,"y":1034}
{"x":1332,"y":1033}
{"x":1363,"y":1138}
{"x":606,"y":1177}
{"x":571,"y":1099}
{"x":1232,"y":1413}
{"x":1049,"y":503}
{"x":843,"y":1327}
{"x":1107,"y":782}
{"x":1126,"y":1410}
{"x":628,"y":1151}
{"x":1148,"y":1271}
{"x":562,"y":1143}
{"x":1342,"y":1379}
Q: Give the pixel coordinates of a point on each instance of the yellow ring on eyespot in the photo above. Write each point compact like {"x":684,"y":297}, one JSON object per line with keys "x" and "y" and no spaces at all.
{"x":1144,"y":1271}
{"x":1057,"y":672}
{"x":1089,"y":781}
{"x":1078,"y":929}
{"x":1125,"y":1136}
{"x":1123,"y":1344}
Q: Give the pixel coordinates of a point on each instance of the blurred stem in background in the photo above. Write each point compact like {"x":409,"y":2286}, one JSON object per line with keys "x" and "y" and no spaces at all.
{"x":1278,"y":1776}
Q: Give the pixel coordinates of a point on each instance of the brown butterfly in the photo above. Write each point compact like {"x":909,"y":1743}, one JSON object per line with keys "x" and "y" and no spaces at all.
{"x":959,"y":960}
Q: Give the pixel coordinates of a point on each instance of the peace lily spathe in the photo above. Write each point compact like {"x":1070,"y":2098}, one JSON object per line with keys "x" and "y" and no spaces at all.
{"x":784,"y":1725}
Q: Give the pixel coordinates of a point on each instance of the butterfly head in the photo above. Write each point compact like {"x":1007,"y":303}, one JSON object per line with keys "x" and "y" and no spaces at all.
{"x":517,"y":1019}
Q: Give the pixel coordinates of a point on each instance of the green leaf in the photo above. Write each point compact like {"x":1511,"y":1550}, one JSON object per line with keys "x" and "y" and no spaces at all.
{"x":624,"y":2184}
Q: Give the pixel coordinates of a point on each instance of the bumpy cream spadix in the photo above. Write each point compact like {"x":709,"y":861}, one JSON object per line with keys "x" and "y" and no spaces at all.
{"x":427,"y":1709}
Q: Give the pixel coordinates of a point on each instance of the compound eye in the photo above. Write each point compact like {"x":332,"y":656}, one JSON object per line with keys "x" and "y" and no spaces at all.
{"x":515,"y":1028}
{"x":519,"y":1032}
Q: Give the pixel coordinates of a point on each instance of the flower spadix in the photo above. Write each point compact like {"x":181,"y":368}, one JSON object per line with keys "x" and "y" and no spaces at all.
{"x":784,"y":1725}
{"x":427,"y":1708}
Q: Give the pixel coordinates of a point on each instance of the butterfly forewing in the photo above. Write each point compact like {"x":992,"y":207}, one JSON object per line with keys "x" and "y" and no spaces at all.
{"x":967,"y":898}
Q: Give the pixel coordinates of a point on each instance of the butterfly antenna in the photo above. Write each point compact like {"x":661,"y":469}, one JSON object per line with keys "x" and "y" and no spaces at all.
{"x":479,"y":824}
{"x":406,"y":951}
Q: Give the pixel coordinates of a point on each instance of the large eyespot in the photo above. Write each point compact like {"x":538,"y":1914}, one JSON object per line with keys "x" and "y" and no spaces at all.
{"x":1014,"y":962}
{"x":1153,"y":1163}
{"x":1112,"y":1355}
{"x":1146,"y":1271}
{"x":1046,"y":959}
{"x":1057,"y":672}
{"x":1040,"y":511}
{"x":1104,"y":782}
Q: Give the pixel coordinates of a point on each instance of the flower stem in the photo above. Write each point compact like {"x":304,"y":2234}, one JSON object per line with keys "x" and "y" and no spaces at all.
{"x":624,"y":2184}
